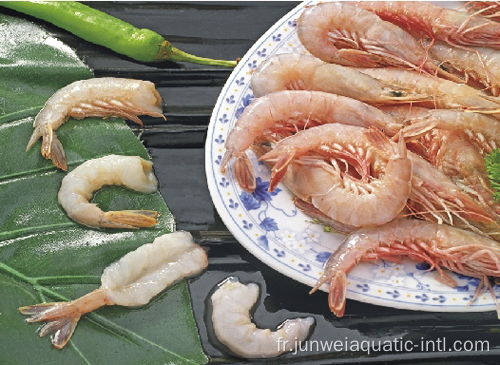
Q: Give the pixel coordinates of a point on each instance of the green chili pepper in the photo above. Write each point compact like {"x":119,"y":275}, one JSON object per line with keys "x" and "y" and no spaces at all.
{"x":94,"y":26}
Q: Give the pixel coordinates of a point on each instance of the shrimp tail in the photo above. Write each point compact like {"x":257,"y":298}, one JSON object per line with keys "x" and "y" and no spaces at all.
{"x":280,"y":167}
{"x":383,"y":144}
{"x":129,"y":219}
{"x":57,"y":154}
{"x":35,"y":136}
{"x":243,"y":169}
{"x":51,"y":146}
{"x":417,"y":130}
{"x":337,"y":293}
{"x":61,"y":317}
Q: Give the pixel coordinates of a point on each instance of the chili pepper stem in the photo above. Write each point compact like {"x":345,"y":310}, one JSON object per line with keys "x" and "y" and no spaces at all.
{"x":167,"y":52}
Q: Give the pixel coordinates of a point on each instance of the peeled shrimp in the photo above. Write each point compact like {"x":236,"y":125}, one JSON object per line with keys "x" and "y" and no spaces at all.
{"x":338,"y":32}
{"x":447,"y":94}
{"x":105,"y":97}
{"x":132,"y":281}
{"x":282,"y":113}
{"x":440,"y":245}
{"x":327,"y":184}
{"x":234,"y":328}
{"x":435,"y":22}
{"x":78,"y":186}
{"x":295,"y":71}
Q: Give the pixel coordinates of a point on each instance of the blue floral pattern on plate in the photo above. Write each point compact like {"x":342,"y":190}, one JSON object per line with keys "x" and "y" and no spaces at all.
{"x":272,"y":229}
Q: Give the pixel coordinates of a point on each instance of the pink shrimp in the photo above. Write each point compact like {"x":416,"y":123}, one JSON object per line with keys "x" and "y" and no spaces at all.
{"x":481,"y":129}
{"x":478,"y":66}
{"x":295,"y":71}
{"x":453,"y":148}
{"x":447,"y":94}
{"x":455,"y":155}
{"x":338,"y":32}
{"x":435,"y":197}
{"x":435,"y":22}
{"x":283,"y":113}
{"x":440,"y":245}
{"x":488,"y":9}
{"x":351,"y":198}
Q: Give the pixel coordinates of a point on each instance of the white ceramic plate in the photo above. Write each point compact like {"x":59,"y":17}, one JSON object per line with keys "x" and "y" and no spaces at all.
{"x":272,"y":229}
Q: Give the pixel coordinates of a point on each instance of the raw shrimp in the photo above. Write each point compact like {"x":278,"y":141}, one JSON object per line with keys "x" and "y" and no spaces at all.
{"x":454,"y":154}
{"x":482,"y":129}
{"x":294,"y":71}
{"x":234,"y":328}
{"x":440,"y":245}
{"x":447,"y":94}
{"x":435,"y":22}
{"x":488,"y":9}
{"x":78,"y":186}
{"x":452,"y":147}
{"x":337,"y":32}
{"x":477,"y":66}
{"x":436,"y":197}
{"x":105,"y":97}
{"x":329,"y":186}
{"x":132,"y":281}
{"x":283,"y":113}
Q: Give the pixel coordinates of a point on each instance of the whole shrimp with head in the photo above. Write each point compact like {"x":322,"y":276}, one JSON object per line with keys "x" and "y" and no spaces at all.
{"x":440,"y":245}
{"x":283,"y":113}
{"x":338,"y":32}
{"x":456,"y":145}
{"x":444,"y":94}
{"x":479,"y":67}
{"x":336,"y":175}
{"x":436,"y":22}
{"x":295,"y":71}
{"x":105,"y":97}
{"x":78,"y":186}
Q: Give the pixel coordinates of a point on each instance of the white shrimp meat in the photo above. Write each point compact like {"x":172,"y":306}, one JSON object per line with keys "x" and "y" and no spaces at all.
{"x":234,"y":328}
{"x":79,"y":185}
{"x":134,"y":280}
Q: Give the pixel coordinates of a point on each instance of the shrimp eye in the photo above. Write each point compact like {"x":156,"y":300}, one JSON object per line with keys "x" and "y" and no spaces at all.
{"x":397,"y":93}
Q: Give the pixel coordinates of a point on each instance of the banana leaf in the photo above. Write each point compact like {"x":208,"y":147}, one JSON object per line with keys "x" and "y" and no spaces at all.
{"x":45,"y":256}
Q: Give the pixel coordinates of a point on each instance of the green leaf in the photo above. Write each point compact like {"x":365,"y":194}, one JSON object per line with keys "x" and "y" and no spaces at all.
{"x":45,"y":256}
{"x":493,"y":169}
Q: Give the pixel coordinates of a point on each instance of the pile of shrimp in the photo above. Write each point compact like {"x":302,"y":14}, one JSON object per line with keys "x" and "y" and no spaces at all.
{"x":381,"y":132}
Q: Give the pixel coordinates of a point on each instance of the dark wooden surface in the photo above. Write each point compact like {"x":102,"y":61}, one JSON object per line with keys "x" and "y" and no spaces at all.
{"x":226,"y":30}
